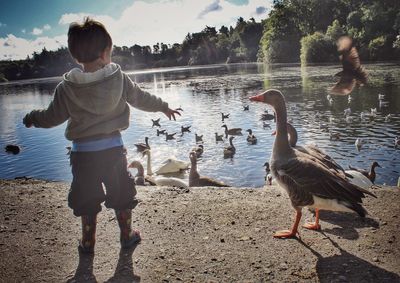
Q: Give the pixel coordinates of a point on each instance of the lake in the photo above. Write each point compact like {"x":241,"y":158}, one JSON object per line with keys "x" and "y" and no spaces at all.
{"x":203,"y":93}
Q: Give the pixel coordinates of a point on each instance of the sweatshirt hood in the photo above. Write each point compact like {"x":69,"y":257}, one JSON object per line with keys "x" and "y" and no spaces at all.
{"x":99,"y":92}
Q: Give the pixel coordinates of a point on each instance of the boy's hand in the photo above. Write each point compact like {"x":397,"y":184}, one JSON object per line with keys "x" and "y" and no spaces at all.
{"x":171,"y":113}
{"x":27,"y":122}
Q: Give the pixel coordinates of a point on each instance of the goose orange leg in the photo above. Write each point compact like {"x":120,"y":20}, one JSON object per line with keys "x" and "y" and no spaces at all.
{"x":315,"y":225}
{"x":290,"y":233}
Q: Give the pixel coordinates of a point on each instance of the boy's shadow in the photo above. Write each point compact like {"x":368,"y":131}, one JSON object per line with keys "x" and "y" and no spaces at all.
{"x":84,"y":271}
{"x":347,"y":222}
{"x":124,"y":270}
{"x":347,"y":267}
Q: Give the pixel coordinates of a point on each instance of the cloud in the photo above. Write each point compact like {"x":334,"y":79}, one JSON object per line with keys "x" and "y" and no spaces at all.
{"x":46,"y":27}
{"x":23,"y":30}
{"x":210,"y":8}
{"x":146,"y":23}
{"x":37,"y":31}
{"x":16,"y":48}
{"x":2,"y":24}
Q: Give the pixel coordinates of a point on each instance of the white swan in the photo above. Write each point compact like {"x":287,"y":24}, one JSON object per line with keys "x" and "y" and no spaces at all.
{"x":158,"y":180}
{"x":358,"y":179}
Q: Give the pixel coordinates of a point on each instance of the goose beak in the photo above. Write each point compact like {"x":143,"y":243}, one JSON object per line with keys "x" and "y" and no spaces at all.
{"x":259,"y":98}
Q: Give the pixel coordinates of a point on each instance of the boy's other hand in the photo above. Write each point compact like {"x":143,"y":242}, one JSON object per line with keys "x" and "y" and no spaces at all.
{"x":170,"y":113}
{"x":27,"y":122}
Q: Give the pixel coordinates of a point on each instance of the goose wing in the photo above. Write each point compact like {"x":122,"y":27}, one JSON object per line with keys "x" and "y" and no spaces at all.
{"x":326,"y":160}
{"x":305,"y":178}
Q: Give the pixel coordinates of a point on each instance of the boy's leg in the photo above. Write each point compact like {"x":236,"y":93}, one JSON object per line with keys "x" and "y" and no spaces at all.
{"x":88,"y":240}
{"x":128,"y":236}
{"x":120,"y":195}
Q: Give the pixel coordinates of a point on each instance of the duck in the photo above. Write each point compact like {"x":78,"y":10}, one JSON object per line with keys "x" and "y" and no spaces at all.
{"x":307,"y":180}
{"x":140,"y":147}
{"x":224,"y":116}
{"x":195,"y":180}
{"x":246,"y":107}
{"x":371,"y":175}
{"x":251,"y":138}
{"x":12,"y":148}
{"x":199,"y":149}
{"x":155,"y":180}
{"x":347,"y":112}
{"x":334,"y":136}
{"x":352,"y":73}
{"x":160,"y":132}
{"x":169,"y":137}
{"x":358,"y":143}
{"x":156,"y":123}
{"x":185,"y":129}
{"x":232,"y":132}
{"x":266,"y":125}
{"x":354,"y":177}
{"x":388,"y":117}
{"x":267,"y":116}
{"x":218,"y":137}
{"x":198,"y":138}
{"x":230,"y":150}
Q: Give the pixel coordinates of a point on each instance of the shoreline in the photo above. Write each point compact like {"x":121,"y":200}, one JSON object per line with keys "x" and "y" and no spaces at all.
{"x":199,"y":235}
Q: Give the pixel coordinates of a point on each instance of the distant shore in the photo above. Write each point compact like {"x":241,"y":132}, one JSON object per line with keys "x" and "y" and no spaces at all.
{"x":198,"y":235}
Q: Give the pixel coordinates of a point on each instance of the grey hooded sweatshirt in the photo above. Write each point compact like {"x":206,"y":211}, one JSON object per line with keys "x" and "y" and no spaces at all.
{"x":95,"y":108}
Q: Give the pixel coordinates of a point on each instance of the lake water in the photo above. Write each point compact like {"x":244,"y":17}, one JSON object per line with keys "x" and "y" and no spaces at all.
{"x":205,"y":92}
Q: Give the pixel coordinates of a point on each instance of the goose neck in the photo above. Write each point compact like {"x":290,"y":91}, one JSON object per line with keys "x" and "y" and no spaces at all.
{"x":149,"y":169}
{"x":281,"y":144}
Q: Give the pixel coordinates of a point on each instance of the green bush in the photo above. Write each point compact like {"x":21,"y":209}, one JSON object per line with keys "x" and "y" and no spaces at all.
{"x":317,"y":47}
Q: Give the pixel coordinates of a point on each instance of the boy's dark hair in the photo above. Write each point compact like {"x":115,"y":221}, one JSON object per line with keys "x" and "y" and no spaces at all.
{"x":87,"y":41}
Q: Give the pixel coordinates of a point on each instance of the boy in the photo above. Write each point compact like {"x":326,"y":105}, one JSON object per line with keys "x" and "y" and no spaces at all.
{"x":95,"y":103}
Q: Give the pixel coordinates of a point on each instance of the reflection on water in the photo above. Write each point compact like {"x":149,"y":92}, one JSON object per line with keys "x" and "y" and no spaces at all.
{"x":204,"y":93}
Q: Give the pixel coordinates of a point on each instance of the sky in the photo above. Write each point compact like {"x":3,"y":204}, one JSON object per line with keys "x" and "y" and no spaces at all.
{"x":27,"y":26}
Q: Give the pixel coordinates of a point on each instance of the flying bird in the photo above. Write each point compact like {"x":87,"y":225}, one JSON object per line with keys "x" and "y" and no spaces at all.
{"x":353,"y":73}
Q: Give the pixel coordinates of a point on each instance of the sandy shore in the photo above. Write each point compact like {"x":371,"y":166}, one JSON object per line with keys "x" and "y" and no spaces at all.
{"x":200,"y":235}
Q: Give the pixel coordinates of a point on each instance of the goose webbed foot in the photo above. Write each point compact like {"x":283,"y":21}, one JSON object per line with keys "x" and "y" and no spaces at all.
{"x":312,"y":226}
{"x":286,"y":234}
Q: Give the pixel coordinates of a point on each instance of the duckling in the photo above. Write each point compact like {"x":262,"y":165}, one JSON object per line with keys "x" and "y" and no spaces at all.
{"x":224,"y":116}
{"x":169,"y":136}
{"x":230,"y":150}
{"x":199,"y":149}
{"x":160,"y":132}
{"x":232,"y":132}
{"x":143,"y":146}
{"x":11,"y":148}
{"x":218,"y":137}
{"x":198,"y":138}
{"x":156,"y":123}
{"x":251,"y":138}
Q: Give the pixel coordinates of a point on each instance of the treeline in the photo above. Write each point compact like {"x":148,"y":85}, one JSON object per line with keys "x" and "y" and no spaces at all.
{"x":295,"y":30}
{"x":308,"y":30}
{"x":226,"y":45}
